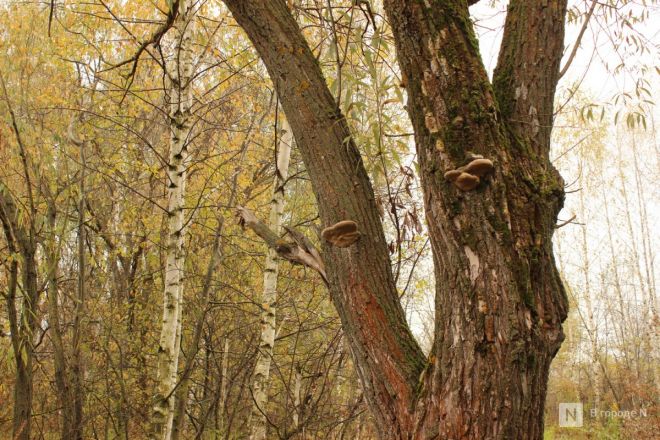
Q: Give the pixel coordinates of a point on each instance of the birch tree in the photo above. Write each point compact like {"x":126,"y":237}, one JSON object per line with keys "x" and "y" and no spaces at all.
{"x":179,"y":74}
{"x":269,"y":298}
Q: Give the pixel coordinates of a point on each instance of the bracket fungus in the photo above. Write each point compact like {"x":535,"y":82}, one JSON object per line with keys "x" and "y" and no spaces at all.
{"x":479,"y":167}
{"x":467,"y":181}
{"x":342,"y":234}
{"x":467,"y":178}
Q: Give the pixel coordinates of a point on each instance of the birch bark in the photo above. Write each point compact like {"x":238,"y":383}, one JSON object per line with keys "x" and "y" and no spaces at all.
{"x":180,"y":100}
{"x":269,"y":299}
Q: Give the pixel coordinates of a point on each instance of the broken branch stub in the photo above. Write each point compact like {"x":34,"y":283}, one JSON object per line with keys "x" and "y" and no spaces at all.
{"x":341,"y":234}
{"x":300,"y":251}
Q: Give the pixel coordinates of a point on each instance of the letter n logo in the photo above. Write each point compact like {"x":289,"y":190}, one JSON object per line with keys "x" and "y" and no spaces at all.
{"x":570,"y":415}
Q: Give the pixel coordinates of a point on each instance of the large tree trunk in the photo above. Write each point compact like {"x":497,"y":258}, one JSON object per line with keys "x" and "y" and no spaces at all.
{"x":499,"y":299}
{"x":260,"y":380}
{"x":386,"y":355}
{"x":180,"y":101}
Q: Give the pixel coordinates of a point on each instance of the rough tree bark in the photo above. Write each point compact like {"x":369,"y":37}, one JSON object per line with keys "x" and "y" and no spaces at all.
{"x":499,"y":299}
{"x":179,"y":73}
{"x":360,"y":278}
{"x":260,"y":380}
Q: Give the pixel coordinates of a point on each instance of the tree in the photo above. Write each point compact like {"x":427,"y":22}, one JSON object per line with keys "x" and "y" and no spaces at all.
{"x":499,"y":299}
{"x":269,"y":297}
{"x":21,"y":234}
{"x":180,"y":76}
{"x":23,"y":322}
{"x":85,"y":224}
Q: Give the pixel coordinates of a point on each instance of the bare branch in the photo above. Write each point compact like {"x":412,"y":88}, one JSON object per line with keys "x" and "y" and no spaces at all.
{"x":300,"y":251}
{"x":154,"y":39}
{"x":578,"y":40}
{"x":51,"y":13}
{"x":72,"y":135}
{"x":21,"y":149}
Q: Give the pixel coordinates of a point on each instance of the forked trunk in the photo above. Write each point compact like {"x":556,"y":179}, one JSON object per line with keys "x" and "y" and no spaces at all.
{"x":499,"y":299}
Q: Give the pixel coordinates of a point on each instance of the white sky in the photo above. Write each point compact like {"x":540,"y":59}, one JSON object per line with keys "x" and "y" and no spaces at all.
{"x":596,"y":49}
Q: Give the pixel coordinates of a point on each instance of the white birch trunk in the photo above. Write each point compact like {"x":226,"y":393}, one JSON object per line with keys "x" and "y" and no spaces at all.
{"x":262,"y":369}
{"x":180,"y":101}
{"x":174,"y":366}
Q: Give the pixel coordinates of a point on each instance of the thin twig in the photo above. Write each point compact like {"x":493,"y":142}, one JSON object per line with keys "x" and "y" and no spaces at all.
{"x":578,"y":40}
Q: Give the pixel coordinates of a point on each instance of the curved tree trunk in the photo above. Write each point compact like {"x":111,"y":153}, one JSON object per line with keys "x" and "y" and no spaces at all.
{"x":260,"y":380}
{"x":499,"y":299}
{"x":387,"y":357}
{"x":180,"y":101}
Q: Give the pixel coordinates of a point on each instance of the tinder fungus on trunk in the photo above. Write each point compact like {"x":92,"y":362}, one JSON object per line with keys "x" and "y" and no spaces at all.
{"x":342,"y":234}
{"x":467,"y":178}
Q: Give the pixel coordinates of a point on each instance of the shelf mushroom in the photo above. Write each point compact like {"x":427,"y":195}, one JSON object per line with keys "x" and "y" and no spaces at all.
{"x":468,"y":177}
{"x":341,"y":234}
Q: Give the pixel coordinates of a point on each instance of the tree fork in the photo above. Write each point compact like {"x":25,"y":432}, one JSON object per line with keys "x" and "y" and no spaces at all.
{"x":499,"y":299}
